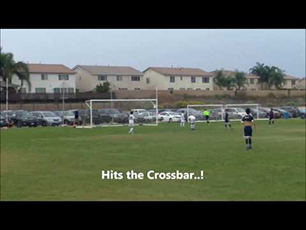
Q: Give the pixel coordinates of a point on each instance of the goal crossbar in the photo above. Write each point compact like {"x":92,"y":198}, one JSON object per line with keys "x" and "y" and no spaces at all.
{"x":89,"y":105}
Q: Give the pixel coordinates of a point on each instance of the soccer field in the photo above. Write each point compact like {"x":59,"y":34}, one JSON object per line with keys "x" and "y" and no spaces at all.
{"x":66,"y":163}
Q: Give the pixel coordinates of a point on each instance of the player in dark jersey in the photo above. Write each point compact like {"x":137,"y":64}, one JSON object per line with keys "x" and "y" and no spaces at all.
{"x":248,"y":122}
{"x":271,"y":117}
{"x":227,"y":122}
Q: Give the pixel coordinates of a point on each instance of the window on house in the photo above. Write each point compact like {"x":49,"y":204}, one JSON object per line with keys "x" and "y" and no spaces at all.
{"x":56,"y":90}
{"x":44,"y":77}
{"x":182,"y":88}
{"x":135,"y":78}
{"x":102,"y":78}
{"x":137,"y":88}
{"x":285,"y":82}
{"x":198,"y":89}
{"x":252,"y":81}
{"x":190,"y":89}
{"x":193,"y":79}
{"x":40,"y":90}
{"x":205,"y":79}
{"x":63,"y":77}
{"x":64,"y":90}
{"x":293,"y":82}
{"x":172,"y":79}
{"x":119,"y":78}
{"x":181,"y":78}
{"x":70,"y":90}
{"x":23,"y":90}
{"x":122,"y":88}
{"x":207,"y":89}
{"x":170,"y":89}
{"x":148,"y":80}
{"x":80,"y":78}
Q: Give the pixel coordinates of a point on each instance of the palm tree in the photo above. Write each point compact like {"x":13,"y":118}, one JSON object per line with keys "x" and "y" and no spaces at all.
{"x":240,"y":80}
{"x":276,"y":77}
{"x":9,"y":68}
{"x":261,"y":71}
{"x":229,"y":82}
{"x":219,"y":78}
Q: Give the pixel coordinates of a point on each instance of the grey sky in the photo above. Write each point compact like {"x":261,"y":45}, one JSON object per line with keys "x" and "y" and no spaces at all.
{"x":201,"y":48}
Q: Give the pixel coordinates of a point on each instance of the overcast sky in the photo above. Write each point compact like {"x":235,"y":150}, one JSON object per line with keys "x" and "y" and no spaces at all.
{"x":208,"y":49}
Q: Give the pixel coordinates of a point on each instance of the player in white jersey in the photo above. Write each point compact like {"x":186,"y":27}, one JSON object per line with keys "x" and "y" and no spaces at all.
{"x":182,"y":120}
{"x":191,"y":119}
{"x":131,"y":123}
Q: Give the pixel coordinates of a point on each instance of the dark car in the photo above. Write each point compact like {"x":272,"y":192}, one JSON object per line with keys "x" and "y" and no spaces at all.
{"x":115,"y":115}
{"x":3,"y":122}
{"x":259,"y":113}
{"x":97,"y":117}
{"x":302,"y":112}
{"x":291,"y":109}
{"x":267,"y":111}
{"x":284,"y":113}
{"x":24,"y":118}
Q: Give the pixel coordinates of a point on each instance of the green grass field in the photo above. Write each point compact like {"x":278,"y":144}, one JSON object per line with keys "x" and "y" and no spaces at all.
{"x":66,"y":163}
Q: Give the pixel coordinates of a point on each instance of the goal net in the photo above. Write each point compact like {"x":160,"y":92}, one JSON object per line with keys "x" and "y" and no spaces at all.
{"x":115,"y":112}
{"x":237,"y":111}
{"x":215,"y":112}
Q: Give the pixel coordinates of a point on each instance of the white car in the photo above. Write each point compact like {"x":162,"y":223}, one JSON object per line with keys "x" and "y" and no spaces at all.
{"x":169,"y":117}
{"x":240,"y":112}
{"x":139,"y":111}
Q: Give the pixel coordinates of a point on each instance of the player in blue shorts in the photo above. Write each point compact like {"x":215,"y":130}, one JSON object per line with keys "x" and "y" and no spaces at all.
{"x":248,"y":122}
{"x":227,"y":122}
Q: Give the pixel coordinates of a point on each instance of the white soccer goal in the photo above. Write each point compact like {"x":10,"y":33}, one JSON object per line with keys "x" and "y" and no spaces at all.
{"x":216,"y":112}
{"x":237,"y":111}
{"x":115,"y":112}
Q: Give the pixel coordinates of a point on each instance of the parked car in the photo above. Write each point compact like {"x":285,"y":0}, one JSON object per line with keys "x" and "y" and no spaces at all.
{"x":47,"y":118}
{"x":97,"y":116}
{"x":261,"y":114}
{"x":302,"y":112}
{"x":23,"y":118}
{"x":284,"y":113}
{"x":169,"y":116}
{"x":145,"y":117}
{"x":267,"y":111}
{"x":3,"y":122}
{"x":291,"y":109}
{"x":115,"y":115}
{"x":198,"y":115}
{"x":138,"y":111}
{"x":67,"y":116}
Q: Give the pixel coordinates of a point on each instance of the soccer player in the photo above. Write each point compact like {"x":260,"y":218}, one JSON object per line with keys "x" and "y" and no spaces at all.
{"x":248,"y":122}
{"x":271,"y":117}
{"x":76,"y":118}
{"x":191,"y":119}
{"x":206,"y":115}
{"x":227,"y":121}
{"x":131,"y":123}
{"x":182,"y":120}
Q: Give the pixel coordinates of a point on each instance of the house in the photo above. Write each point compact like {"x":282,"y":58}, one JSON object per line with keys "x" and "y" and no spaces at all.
{"x":301,"y":83}
{"x":290,"y":82}
{"x":164,"y":78}
{"x":119,"y":77}
{"x":48,"y":78}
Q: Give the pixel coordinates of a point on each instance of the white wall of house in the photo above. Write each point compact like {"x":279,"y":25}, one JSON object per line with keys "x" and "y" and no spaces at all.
{"x":83,"y":80}
{"x":120,"y":82}
{"x":49,"y":84}
{"x":163,"y":82}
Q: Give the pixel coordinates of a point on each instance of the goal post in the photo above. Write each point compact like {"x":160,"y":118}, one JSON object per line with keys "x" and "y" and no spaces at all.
{"x":115,"y":112}
{"x":216,"y":111}
{"x":239,"y":110}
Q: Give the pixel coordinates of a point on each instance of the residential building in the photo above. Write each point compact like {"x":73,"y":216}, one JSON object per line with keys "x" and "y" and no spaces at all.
{"x":48,"y":78}
{"x":119,"y":77}
{"x":301,"y":84}
{"x":164,"y":78}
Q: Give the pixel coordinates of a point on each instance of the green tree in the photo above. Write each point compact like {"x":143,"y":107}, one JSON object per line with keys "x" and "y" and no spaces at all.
{"x":219,"y":78}
{"x":103,"y":88}
{"x":240,"y":80}
{"x":260,"y":70}
{"x":9,"y":68}
{"x":275,"y":77}
{"x":229,"y":82}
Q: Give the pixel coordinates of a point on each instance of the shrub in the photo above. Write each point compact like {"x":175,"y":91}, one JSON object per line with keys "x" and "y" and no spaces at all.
{"x":271,"y":95}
